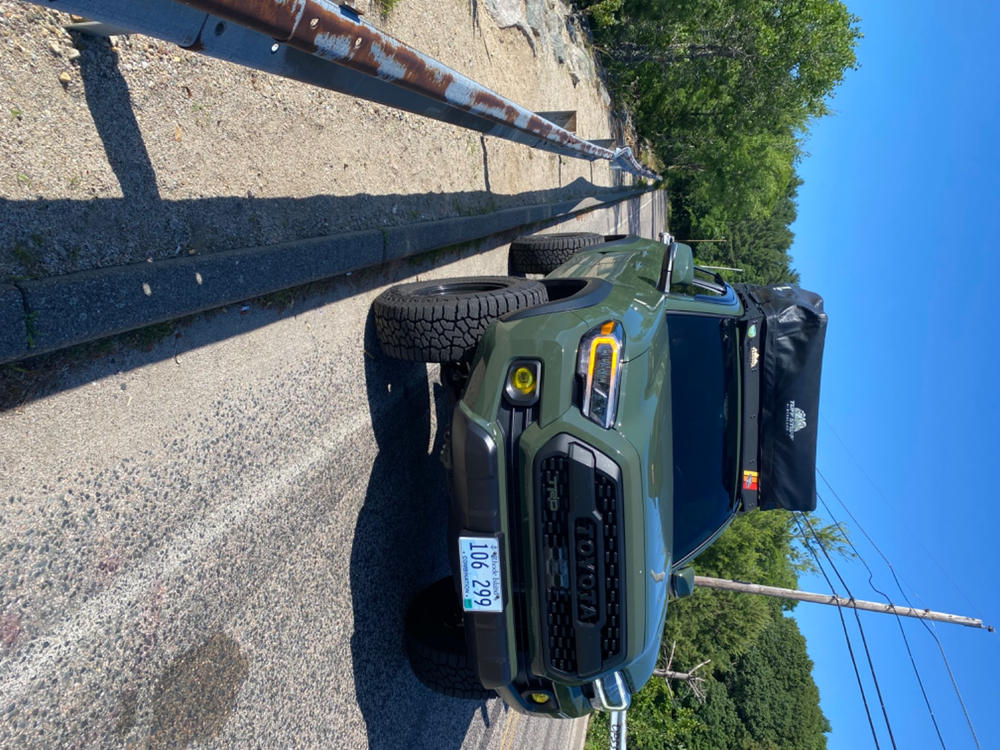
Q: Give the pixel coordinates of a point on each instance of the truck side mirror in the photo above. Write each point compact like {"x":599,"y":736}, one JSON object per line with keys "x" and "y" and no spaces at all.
{"x":678,"y":266}
{"x":682,"y":582}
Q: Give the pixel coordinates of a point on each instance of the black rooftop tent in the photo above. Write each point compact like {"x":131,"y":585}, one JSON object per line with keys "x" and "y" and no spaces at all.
{"x":784,"y":328}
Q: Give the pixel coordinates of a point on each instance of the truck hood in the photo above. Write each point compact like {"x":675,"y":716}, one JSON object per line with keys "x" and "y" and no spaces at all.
{"x":644,"y":420}
{"x":634,"y":273}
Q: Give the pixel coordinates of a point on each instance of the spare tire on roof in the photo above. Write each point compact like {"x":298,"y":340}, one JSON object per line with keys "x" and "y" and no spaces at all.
{"x":544,"y":253}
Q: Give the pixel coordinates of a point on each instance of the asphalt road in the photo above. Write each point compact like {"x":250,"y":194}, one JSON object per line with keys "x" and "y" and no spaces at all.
{"x":214,"y":541}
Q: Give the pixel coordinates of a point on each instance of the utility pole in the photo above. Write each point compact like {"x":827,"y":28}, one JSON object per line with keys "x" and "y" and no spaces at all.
{"x":721,"y":268}
{"x":805,"y":596}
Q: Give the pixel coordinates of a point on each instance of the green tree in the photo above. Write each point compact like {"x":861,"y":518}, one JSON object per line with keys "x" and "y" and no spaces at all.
{"x":774,"y":693}
{"x":721,"y":723}
{"x":656,"y":721}
{"x":722,"y":625}
{"x":772,"y":63}
{"x":723,"y":91}
{"x":757,"y":246}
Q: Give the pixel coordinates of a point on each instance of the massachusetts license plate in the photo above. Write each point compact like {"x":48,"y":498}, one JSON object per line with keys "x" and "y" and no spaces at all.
{"x":479,"y":558}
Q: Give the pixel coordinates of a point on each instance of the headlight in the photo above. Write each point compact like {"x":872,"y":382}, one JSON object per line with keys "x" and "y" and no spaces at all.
{"x":598,"y":364}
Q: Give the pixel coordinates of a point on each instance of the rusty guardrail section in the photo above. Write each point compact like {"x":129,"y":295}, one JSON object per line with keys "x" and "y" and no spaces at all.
{"x":329,"y":45}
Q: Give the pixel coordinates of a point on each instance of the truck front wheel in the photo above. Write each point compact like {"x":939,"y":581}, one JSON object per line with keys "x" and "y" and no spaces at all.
{"x":435,"y":643}
{"x":443,"y":320}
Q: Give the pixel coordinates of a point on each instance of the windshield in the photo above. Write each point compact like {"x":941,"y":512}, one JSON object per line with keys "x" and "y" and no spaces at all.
{"x":704,"y":406}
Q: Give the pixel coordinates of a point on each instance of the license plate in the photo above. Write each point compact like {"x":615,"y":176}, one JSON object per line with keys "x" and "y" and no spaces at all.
{"x":479,"y":558}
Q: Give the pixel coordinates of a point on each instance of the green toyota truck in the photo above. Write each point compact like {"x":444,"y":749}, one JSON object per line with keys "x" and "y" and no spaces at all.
{"x":611,"y":419}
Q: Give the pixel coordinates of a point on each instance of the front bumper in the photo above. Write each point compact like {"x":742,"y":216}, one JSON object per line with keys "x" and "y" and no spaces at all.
{"x":476,"y":511}
{"x":499,"y":642}
{"x":562,"y":624}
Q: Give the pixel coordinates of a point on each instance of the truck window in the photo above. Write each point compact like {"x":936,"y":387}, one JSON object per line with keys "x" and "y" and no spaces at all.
{"x":705,"y":414}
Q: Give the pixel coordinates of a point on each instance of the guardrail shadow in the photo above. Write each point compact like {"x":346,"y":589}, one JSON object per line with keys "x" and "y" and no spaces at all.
{"x":43,"y":237}
{"x":399,"y":548}
{"x":47,"y":237}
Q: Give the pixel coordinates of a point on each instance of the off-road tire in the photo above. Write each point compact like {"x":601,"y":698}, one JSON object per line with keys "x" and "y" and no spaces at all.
{"x":435,"y":643}
{"x":543,"y":253}
{"x":443,"y":320}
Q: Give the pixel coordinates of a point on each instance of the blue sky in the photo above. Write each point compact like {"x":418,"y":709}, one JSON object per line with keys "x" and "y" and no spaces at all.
{"x":898,"y":228}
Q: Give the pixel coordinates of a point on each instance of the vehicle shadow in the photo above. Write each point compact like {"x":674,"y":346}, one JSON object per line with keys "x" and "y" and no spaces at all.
{"x":399,"y":548}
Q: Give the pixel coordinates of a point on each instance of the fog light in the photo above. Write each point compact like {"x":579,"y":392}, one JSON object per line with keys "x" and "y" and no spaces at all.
{"x":523,"y":382}
{"x":540,"y":697}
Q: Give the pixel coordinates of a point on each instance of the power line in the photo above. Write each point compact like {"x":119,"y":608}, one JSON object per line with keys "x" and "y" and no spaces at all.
{"x":843,"y":624}
{"x":916,"y":537}
{"x":899,"y":620}
{"x":861,"y":630}
{"x":899,"y":585}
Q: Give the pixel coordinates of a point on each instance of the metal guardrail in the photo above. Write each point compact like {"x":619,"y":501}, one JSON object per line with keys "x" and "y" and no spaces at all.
{"x":329,"y":45}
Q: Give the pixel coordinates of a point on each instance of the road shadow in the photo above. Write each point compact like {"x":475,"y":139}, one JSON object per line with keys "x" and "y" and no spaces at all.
{"x":399,"y":548}
{"x":46,"y":237}
{"x":634,"y":217}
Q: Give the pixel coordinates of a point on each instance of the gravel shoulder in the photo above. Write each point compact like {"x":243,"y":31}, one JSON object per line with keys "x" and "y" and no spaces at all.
{"x":121,"y":150}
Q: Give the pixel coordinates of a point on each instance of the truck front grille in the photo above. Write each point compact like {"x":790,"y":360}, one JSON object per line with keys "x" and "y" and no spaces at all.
{"x":579,"y":503}
{"x":607,"y":505}
{"x":561,"y":636}
{"x":555,"y":546}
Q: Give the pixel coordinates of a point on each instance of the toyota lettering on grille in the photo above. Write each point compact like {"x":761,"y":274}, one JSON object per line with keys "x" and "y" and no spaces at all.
{"x":585,"y":534}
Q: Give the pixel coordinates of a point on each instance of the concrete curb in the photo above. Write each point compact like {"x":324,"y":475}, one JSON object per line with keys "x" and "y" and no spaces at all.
{"x":13,"y":322}
{"x":37,"y":317}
